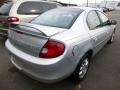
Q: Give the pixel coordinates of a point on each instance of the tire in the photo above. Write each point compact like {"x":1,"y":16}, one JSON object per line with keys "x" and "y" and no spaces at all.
{"x":82,"y":69}
{"x":112,"y":38}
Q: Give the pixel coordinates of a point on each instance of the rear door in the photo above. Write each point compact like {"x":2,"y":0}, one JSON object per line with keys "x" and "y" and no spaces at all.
{"x":104,"y":24}
{"x":98,"y":34}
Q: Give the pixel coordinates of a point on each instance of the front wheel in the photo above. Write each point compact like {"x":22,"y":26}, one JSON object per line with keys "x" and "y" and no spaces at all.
{"x":112,"y":38}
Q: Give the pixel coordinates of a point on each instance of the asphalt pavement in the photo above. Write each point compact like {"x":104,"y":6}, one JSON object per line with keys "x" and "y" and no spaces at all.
{"x":103,"y":74}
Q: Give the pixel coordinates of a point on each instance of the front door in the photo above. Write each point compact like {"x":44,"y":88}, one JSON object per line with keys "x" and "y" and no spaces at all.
{"x":96,"y":31}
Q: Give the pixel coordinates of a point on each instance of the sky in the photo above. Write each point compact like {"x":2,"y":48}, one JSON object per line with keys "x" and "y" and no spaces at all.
{"x":83,"y":1}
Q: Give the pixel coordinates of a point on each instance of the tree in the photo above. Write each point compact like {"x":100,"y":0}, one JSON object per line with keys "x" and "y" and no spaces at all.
{"x":2,"y":1}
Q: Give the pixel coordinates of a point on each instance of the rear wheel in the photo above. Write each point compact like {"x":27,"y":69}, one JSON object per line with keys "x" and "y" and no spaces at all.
{"x":81,"y":69}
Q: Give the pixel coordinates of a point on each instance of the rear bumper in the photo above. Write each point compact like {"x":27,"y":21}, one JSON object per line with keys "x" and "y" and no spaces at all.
{"x":44,"y":70}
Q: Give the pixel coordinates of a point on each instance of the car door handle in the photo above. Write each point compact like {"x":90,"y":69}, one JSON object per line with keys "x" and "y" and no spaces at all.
{"x":94,"y":38}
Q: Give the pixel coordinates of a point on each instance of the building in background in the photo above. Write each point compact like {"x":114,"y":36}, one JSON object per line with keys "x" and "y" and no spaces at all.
{"x":91,"y":4}
{"x":111,"y":4}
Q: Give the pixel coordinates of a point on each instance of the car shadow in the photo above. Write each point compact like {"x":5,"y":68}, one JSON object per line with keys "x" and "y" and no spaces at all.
{"x":66,"y":84}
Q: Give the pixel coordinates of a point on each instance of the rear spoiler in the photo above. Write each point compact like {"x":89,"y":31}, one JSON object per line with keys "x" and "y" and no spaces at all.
{"x":27,"y":29}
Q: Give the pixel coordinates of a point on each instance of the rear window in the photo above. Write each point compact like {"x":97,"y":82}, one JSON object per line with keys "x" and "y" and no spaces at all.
{"x":61,"y":18}
{"x":35,"y":8}
{"x":5,"y":8}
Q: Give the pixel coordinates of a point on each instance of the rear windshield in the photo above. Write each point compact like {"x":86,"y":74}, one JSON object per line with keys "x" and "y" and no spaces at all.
{"x":61,"y":18}
{"x":5,"y":8}
{"x":35,"y":7}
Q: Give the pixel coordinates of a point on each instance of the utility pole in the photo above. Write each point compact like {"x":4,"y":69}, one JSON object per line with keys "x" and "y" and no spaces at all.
{"x":69,"y":2}
{"x":87,"y":3}
{"x":95,"y":3}
{"x":105,"y":2}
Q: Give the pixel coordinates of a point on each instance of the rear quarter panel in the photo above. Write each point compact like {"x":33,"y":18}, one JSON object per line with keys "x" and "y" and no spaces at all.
{"x":77,"y":41}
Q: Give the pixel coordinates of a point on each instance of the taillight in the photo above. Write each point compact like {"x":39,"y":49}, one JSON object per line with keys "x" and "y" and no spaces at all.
{"x":13,"y":19}
{"x":52,"y":49}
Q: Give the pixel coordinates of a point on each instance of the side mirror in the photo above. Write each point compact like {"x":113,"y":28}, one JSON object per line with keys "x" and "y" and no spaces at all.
{"x":113,"y":22}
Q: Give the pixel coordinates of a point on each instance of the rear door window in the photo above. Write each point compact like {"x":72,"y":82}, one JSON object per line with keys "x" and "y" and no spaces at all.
{"x":93,"y":20}
{"x":34,"y":8}
{"x":5,"y":8}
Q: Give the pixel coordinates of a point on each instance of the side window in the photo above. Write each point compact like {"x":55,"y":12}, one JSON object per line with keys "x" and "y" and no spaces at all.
{"x":93,"y":20}
{"x":48,"y":6}
{"x":103,"y":18}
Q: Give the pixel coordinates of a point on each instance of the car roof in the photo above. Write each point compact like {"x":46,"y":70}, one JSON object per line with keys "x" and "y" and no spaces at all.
{"x":85,"y":8}
{"x":35,"y":1}
{"x":77,"y":8}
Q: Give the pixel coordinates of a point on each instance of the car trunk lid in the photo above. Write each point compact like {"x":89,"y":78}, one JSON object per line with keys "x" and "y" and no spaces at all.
{"x":29,"y":38}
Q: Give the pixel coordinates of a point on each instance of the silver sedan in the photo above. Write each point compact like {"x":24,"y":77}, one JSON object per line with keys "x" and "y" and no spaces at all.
{"x":59,"y":43}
